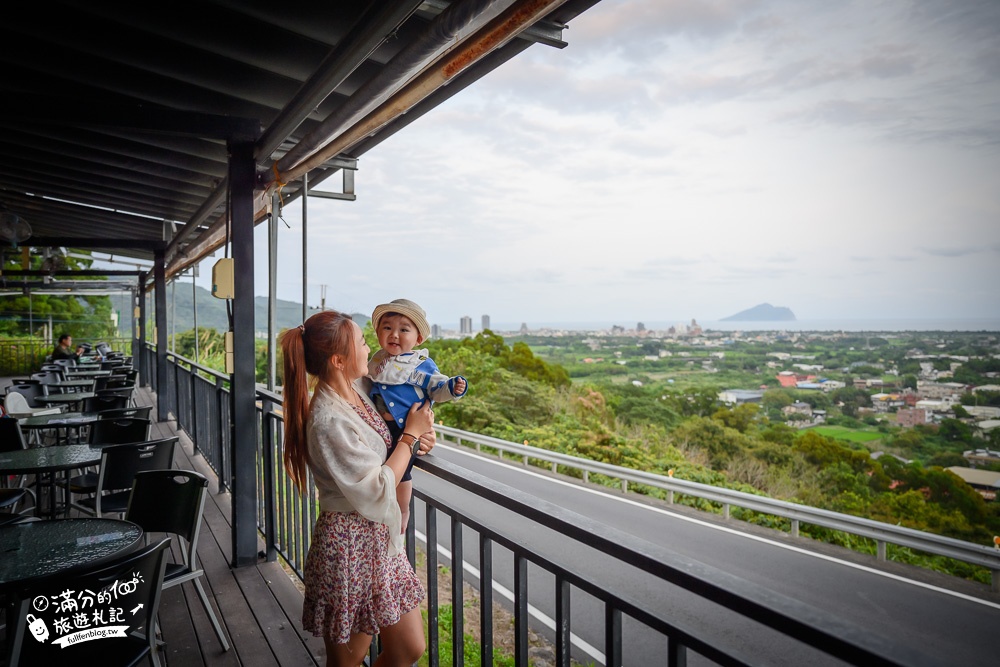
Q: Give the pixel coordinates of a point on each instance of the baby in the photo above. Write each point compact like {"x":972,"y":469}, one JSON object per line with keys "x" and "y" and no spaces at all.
{"x":402,"y":376}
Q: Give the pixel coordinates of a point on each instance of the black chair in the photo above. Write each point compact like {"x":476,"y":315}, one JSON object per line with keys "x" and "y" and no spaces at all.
{"x":140,"y":412}
{"x":119,"y":430}
{"x":107,"y":432}
{"x":100,"y":403}
{"x":102,"y":348}
{"x":119,"y":391}
{"x":173,"y":501}
{"x":119,"y":465}
{"x":57,"y":368}
{"x":118,"y":383}
{"x":12,"y":440}
{"x":10,"y":520}
{"x":9,"y":498}
{"x":132,"y":583}
{"x":65,"y":363}
{"x":47,"y":378}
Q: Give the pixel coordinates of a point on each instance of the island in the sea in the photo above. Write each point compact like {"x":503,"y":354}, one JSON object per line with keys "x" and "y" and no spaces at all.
{"x":764,"y":312}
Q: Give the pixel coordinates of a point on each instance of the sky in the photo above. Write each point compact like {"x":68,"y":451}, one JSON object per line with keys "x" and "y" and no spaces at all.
{"x":689,"y":159}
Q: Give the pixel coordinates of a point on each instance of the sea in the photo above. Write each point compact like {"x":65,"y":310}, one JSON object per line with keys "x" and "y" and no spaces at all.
{"x":988,"y":324}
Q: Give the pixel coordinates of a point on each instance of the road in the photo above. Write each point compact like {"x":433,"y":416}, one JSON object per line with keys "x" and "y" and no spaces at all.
{"x":953,"y":626}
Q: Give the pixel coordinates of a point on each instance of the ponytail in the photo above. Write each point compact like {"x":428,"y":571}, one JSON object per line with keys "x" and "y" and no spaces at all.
{"x":307,"y":350}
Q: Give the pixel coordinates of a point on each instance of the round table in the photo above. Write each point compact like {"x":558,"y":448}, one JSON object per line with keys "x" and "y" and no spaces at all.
{"x":29,"y":551}
{"x":48,"y":461}
{"x":66,"y":399}
{"x":61,"y":420}
{"x":71,"y":384}
{"x":70,"y":373}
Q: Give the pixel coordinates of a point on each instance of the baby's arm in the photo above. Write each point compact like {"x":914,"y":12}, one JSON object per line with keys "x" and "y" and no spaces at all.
{"x":443,"y":388}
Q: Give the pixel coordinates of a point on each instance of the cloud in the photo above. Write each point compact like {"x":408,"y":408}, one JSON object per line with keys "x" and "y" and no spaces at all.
{"x":952,"y":251}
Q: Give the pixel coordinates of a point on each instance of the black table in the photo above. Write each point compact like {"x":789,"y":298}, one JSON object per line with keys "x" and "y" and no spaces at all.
{"x":71,"y":373}
{"x":47,"y":461}
{"x":61,"y":420}
{"x":30,"y":551}
{"x":71,"y":421}
{"x":73,"y":385}
{"x":66,"y":399}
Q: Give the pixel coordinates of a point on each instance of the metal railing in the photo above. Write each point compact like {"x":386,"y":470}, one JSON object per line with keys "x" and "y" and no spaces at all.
{"x":24,"y":356}
{"x":286,"y":516}
{"x":815,"y":627}
{"x":200,"y":402}
{"x":881,"y":533}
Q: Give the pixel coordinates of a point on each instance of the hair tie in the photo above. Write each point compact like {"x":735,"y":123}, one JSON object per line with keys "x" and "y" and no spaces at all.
{"x":302,"y":329}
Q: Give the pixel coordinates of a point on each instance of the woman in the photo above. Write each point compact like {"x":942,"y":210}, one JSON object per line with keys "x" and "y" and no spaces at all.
{"x":358,"y":581}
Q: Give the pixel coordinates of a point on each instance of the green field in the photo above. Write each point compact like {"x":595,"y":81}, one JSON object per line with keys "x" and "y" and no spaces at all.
{"x":841,"y":433}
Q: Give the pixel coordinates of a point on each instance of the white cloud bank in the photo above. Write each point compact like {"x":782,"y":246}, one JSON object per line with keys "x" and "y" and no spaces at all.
{"x":691,"y":159}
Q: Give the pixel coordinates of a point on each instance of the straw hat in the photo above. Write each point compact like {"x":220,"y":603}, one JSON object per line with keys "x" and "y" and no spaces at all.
{"x":407,"y":308}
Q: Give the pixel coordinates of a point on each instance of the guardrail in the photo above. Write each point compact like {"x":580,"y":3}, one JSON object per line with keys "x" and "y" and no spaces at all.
{"x":882,"y":533}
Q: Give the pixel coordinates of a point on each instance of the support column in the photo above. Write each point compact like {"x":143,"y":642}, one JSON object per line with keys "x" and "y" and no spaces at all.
{"x":272,"y":289}
{"x":164,"y":387}
{"x":139,"y":347}
{"x":243,"y":427}
{"x":305,"y":247}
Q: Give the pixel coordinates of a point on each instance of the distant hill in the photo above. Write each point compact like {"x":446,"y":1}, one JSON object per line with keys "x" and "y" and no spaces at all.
{"x":764,"y":312}
{"x":212,"y":311}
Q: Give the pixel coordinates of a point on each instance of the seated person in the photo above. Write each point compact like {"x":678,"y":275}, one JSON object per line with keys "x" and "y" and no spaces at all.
{"x":64,"y":350}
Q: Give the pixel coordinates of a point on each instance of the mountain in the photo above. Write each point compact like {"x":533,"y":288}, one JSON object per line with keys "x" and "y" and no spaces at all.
{"x":212,"y":312}
{"x":764,"y":312}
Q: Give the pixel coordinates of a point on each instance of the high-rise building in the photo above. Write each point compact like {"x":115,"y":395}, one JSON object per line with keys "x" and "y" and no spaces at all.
{"x":465,"y":326}
{"x":486,"y":322}
{"x":435,"y":331}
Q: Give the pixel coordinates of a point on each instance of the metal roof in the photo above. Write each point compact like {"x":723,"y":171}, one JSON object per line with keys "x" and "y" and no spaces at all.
{"x":115,"y":122}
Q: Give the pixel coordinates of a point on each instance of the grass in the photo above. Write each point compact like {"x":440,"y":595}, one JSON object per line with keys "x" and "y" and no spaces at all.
{"x":471,"y":649}
{"x":841,"y":433}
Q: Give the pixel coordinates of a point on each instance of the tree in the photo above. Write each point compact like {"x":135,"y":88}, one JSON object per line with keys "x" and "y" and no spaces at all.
{"x":83,"y":317}
{"x":741,"y":417}
{"x":954,"y":430}
{"x":709,"y":436}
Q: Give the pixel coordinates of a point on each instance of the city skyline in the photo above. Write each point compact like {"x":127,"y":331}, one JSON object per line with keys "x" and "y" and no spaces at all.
{"x":690,"y":159}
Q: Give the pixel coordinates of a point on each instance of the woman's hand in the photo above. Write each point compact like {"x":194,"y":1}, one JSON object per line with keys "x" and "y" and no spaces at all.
{"x":427,"y":442}
{"x":420,"y":419}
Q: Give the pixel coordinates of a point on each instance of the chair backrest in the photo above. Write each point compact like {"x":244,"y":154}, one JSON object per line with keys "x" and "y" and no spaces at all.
{"x":118,"y":383}
{"x":121,"y":463}
{"x":103,"y":348}
{"x":58,"y":368}
{"x":124,"y":592}
{"x":141,"y":412}
{"x":111,"y":364}
{"x":47,"y":377}
{"x":65,"y":363}
{"x":120,"y":391}
{"x":118,"y":431}
{"x":11,"y":435}
{"x":168,"y":501}
{"x":15,"y":403}
{"x":100,"y":403}
{"x":28,"y":390}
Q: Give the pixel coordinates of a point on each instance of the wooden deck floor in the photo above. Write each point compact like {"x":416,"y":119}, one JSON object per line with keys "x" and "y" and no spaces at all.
{"x":259,"y":607}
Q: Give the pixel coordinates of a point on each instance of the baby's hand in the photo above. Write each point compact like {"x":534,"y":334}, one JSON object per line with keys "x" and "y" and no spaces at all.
{"x":459,"y":386}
